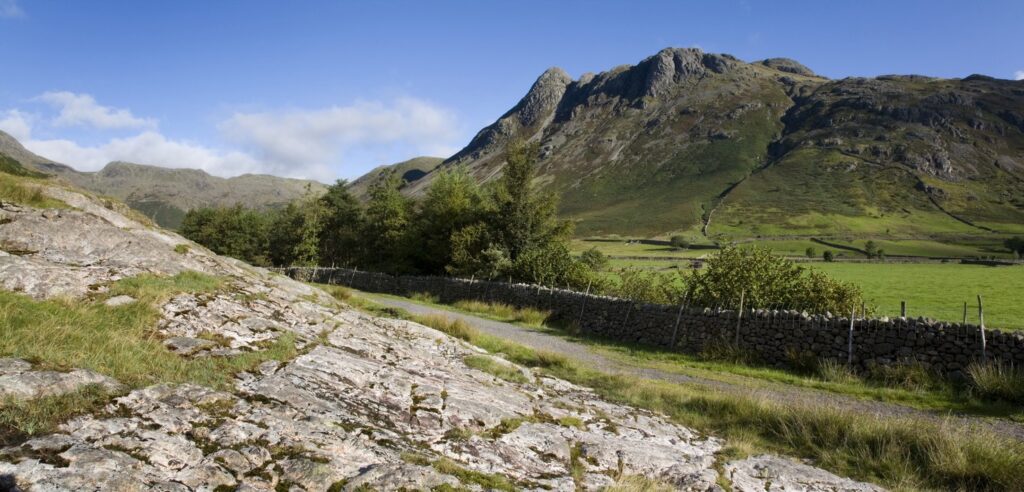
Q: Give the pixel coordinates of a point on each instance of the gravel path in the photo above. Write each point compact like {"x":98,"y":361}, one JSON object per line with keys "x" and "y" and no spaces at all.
{"x":778,"y":393}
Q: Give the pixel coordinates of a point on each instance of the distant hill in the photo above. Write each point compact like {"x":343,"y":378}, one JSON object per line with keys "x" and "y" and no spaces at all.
{"x":165,"y":194}
{"x":699,"y":143}
{"x":408,"y":171}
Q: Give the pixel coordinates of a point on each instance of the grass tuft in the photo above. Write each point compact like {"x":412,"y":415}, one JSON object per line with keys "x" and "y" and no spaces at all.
{"x":997,"y":381}
{"x":501,"y":311}
{"x":20,"y":419}
{"x":495,"y":368}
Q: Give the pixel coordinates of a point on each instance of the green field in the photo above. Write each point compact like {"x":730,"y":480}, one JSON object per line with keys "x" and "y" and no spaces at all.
{"x":939,"y":290}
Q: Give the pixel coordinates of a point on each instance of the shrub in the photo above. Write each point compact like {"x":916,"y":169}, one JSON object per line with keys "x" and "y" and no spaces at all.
{"x":594,"y":259}
{"x":810,"y":252}
{"x":181,"y":248}
{"x":765,"y":279}
{"x":647,"y":286}
{"x":679,"y":242}
{"x":827,"y":256}
{"x":997,"y":381}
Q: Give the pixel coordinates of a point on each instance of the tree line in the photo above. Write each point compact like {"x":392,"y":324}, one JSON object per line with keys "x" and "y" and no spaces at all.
{"x":506,"y":230}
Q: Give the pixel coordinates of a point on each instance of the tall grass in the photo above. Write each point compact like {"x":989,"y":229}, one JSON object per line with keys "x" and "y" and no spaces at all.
{"x":997,"y":381}
{"x":505,"y":312}
{"x":18,"y":190}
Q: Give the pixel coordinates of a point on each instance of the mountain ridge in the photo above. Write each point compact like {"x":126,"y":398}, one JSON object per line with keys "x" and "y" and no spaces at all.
{"x":166,"y":194}
{"x":661,"y":146}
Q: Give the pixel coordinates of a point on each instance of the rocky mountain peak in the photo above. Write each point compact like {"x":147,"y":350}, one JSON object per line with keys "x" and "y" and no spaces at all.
{"x":543,"y":96}
{"x":788,"y":65}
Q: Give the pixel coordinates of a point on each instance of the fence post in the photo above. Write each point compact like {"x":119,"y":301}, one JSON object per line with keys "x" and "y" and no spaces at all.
{"x":981,"y":321}
{"x":629,"y":309}
{"x":903,"y":309}
{"x":739,"y":317}
{"x":965,"y":313}
{"x":849,"y":339}
{"x":679,"y":316}
{"x":583,"y":305}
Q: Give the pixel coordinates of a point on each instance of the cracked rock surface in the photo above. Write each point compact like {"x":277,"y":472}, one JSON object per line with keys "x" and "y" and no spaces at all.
{"x":369,"y":402}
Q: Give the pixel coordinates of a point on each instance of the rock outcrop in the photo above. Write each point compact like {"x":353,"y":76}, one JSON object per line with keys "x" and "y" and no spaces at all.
{"x":368,"y":402}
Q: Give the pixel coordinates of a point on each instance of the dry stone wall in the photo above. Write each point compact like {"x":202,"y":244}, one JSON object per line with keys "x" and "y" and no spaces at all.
{"x":780,"y":338}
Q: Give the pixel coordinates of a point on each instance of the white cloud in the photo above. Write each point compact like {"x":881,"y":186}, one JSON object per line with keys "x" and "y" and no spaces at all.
{"x":16,"y":123}
{"x":145,"y":148}
{"x":1018,"y":75}
{"x":286,"y":140}
{"x":83,"y":110}
{"x":316,"y":143}
{"x":10,"y":9}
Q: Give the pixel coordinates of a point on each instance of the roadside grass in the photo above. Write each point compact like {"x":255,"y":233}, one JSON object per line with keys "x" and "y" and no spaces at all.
{"x":996,"y":380}
{"x":504,"y":312}
{"x":120,"y":342}
{"x":898,"y":453}
{"x":903,"y":384}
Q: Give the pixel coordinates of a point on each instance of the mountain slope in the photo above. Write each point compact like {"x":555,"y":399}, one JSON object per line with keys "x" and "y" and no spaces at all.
{"x":408,"y":171}
{"x":166,"y":194}
{"x":690,"y":141}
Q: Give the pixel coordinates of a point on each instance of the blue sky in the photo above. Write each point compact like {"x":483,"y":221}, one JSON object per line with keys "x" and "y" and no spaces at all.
{"x":331,"y":89}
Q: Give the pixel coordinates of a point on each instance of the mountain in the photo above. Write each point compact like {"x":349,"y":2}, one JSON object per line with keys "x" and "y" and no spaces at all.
{"x":699,"y":143}
{"x":408,"y":171}
{"x":165,"y":194}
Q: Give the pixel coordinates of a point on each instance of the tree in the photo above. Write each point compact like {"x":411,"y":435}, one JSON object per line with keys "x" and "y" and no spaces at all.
{"x":679,"y":242}
{"x":1015,"y":245}
{"x":827,"y":256}
{"x":284,"y":234}
{"x":870,"y":249}
{"x":810,"y":252}
{"x":452,"y":203}
{"x":386,"y":230}
{"x":235,"y":231}
{"x":340,"y":240}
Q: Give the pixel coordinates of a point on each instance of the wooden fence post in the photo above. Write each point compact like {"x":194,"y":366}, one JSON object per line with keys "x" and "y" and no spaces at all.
{"x":739,"y":317}
{"x":965,"y":313}
{"x":583,"y":305}
{"x":679,"y":316}
{"x":629,"y":309}
{"x":981,"y":321}
{"x":849,"y":339}
{"x":903,"y":309}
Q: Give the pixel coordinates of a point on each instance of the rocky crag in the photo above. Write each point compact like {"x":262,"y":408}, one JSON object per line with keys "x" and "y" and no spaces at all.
{"x":368,"y":403}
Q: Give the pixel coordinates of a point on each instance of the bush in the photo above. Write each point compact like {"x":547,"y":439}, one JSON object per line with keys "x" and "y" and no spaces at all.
{"x":827,"y":256}
{"x":647,"y":286}
{"x":810,"y":252}
{"x":594,"y":259}
{"x":679,"y":242}
{"x":766,"y":280}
